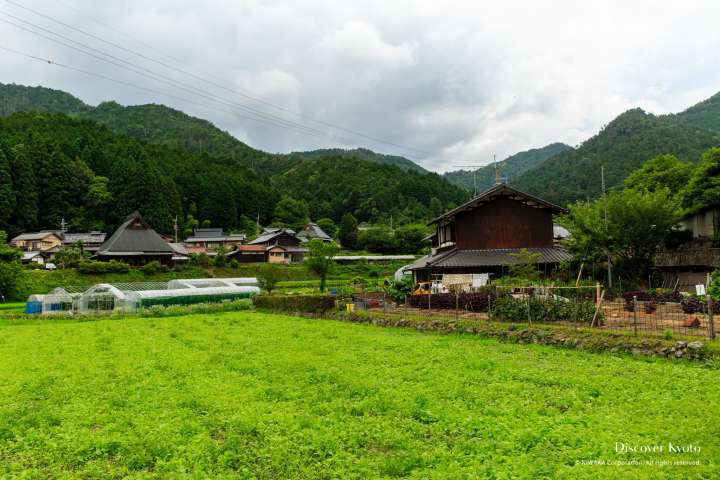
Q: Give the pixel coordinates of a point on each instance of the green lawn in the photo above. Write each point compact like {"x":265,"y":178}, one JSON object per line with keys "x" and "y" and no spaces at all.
{"x":254,"y":395}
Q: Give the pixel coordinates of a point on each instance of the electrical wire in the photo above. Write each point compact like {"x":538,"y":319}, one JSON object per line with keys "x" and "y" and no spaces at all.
{"x":218,"y":85}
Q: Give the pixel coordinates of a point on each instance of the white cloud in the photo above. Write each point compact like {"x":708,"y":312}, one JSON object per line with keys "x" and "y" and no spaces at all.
{"x":461,"y":80}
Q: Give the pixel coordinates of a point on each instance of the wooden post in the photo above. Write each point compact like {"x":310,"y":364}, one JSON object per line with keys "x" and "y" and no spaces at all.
{"x":711,"y":319}
{"x":597,"y":292}
{"x":635,"y":314}
{"x":457,"y":303}
{"x":577,"y":282}
{"x":597,"y":308}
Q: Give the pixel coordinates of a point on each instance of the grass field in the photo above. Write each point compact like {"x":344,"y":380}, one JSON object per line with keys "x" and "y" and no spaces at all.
{"x":254,"y":395}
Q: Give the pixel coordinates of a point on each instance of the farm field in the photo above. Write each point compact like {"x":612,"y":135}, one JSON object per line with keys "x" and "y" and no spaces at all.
{"x":253,"y":395}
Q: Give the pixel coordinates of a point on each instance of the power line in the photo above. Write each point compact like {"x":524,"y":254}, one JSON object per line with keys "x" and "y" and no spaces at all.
{"x":234,"y":91}
{"x":272,"y":119}
{"x":121,"y":82}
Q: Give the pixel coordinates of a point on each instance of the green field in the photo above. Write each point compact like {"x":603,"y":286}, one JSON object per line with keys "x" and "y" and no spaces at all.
{"x":254,"y":395}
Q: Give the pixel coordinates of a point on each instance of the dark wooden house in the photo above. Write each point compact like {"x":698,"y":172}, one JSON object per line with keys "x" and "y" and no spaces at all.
{"x":482,"y":235}
{"x":281,"y":245}
{"x":692,"y":262}
{"x":135,"y":243}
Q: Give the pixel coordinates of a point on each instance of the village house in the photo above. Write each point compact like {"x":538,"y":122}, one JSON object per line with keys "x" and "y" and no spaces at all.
{"x":37,"y":242}
{"x":207,"y":240}
{"x":480,"y":238}
{"x":281,"y":245}
{"x":136,"y":243}
{"x":40,"y":247}
{"x":692,"y":262}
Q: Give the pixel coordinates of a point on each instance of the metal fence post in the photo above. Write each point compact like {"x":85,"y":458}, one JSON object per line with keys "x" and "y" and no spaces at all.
{"x":711,"y":319}
{"x":635,"y":314}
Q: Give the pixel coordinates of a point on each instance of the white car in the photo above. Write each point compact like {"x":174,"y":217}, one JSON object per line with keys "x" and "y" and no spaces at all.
{"x":50,"y":266}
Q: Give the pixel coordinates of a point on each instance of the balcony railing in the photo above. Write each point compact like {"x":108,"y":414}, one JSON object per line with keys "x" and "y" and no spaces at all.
{"x":709,"y":257}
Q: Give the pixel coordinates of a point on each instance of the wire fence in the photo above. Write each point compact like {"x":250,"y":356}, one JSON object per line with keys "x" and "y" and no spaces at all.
{"x":573,"y":307}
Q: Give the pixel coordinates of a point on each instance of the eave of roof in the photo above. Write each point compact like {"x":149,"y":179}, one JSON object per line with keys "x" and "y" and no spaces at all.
{"x":496,"y":191}
{"x":486,"y":258}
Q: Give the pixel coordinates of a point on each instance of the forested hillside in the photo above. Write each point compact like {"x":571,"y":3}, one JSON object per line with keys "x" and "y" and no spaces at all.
{"x":20,"y":98}
{"x":151,"y":123}
{"x":332,"y":186}
{"x":363,"y":154}
{"x":705,"y":114}
{"x":621,"y":147}
{"x":510,"y":168}
{"x":62,"y":167}
{"x":53,"y":166}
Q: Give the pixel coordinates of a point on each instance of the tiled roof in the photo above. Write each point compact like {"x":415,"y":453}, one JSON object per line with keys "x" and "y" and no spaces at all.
{"x":90,"y":237}
{"x":500,"y":190}
{"x":486,"y":258}
{"x":269,"y":235}
{"x":34,"y":236}
{"x":312,"y":230}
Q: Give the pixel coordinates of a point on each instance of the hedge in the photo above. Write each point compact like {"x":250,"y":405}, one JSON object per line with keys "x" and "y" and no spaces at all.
{"x":475,"y":302}
{"x":94,"y":267}
{"x":295,"y":303}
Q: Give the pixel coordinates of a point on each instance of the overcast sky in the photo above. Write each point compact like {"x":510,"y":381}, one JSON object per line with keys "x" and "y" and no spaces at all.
{"x":450,"y":82}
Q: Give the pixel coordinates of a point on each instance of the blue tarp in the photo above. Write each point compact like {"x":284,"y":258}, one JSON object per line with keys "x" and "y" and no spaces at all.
{"x":33,"y":307}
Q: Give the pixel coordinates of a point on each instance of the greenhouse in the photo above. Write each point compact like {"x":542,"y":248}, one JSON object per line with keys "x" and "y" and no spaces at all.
{"x":129,"y":297}
{"x":58,"y":301}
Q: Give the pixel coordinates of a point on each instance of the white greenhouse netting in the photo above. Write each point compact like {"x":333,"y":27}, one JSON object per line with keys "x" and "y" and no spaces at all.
{"x":129,"y":297}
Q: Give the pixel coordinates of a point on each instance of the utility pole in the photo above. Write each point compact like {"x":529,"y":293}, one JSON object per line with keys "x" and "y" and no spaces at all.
{"x":609,"y":264}
{"x":175,"y":227}
{"x":63,"y":225}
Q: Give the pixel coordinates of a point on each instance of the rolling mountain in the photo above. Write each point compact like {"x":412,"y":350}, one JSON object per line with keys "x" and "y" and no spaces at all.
{"x":166,"y":126}
{"x":705,"y":114}
{"x":621,"y":147}
{"x":151,"y":123}
{"x":510,"y":168}
{"x":61,"y":158}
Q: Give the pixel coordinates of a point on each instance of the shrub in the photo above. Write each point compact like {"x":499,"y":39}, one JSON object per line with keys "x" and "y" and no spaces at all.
{"x":92,"y":267}
{"x":269,"y":276}
{"x":542,"y":310}
{"x":295,"y":303}
{"x":697,"y":305}
{"x":398,"y":290}
{"x":151,"y":268}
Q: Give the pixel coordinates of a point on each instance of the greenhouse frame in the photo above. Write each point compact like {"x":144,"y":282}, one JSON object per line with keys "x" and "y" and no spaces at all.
{"x":131,"y":297}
